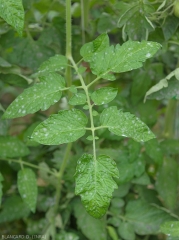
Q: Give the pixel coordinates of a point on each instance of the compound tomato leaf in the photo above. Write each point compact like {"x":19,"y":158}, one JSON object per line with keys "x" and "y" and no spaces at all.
{"x":123,"y":58}
{"x":64,"y":127}
{"x":40,"y":96}
{"x":170,"y":228}
{"x":125,"y":124}
{"x":11,"y":147}
{"x":27,"y":187}
{"x":95,"y":183}
{"x":53,"y":64}
{"x":104,"y":95}
{"x":13,"y":13}
{"x":98,"y":45}
{"x":78,"y":99}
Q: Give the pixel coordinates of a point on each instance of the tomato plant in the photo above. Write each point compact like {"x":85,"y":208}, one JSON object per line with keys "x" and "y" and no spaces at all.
{"x":89,"y":119}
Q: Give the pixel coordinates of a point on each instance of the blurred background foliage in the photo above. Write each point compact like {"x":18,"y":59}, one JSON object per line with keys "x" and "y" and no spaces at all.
{"x":148,"y":185}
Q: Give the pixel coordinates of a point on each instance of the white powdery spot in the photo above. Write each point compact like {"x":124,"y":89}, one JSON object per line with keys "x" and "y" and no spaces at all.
{"x":148,"y":55}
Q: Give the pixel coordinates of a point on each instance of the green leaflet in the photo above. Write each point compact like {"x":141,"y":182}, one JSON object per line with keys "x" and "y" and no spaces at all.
{"x":154,"y":151}
{"x":162,"y":84}
{"x":78,"y":99}
{"x":13,"y":13}
{"x":4,"y":124}
{"x":66,"y":236}
{"x":170,"y":228}
{"x":64,"y":127}
{"x":170,"y":26}
{"x":167,"y":183}
{"x":140,"y":84}
{"x":112,"y":233}
{"x":126,"y":231}
{"x":4,"y":63}
{"x":128,"y":170}
{"x":11,"y":147}
{"x":95,"y":184}
{"x":1,"y":186}
{"x":169,"y":92}
{"x":73,"y":89}
{"x":28,"y":53}
{"x":87,"y":224}
{"x":27,"y":187}
{"x":55,"y":63}
{"x":134,"y":150}
{"x":125,"y":124}
{"x":16,"y":80}
{"x":146,"y":218}
{"x":104,"y":95}
{"x":13,"y":208}
{"x":40,"y":96}
{"x":98,"y":45}
{"x":123,"y":58}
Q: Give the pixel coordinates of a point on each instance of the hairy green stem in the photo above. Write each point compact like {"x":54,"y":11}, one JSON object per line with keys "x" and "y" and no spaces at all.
{"x":94,"y":81}
{"x":68,"y":44}
{"x":84,"y":18}
{"x":85,"y":88}
{"x":170,"y":119}
{"x":61,"y":172}
{"x":28,"y":164}
{"x":68,"y":29}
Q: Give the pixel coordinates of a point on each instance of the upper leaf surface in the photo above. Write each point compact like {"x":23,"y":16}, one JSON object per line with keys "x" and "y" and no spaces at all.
{"x":78,"y":99}
{"x":95,"y":184}
{"x":13,"y":13}
{"x":64,"y":127}
{"x":146,"y":218}
{"x":27,"y":187}
{"x":11,"y":147}
{"x":87,"y":224}
{"x":40,"y":96}
{"x":123,"y":58}
{"x":55,"y":63}
{"x":170,"y":228}
{"x":167,"y":183}
{"x":125,"y":124}
{"x":16,"y":80}
{"x":13,"y":208}
{"x":104,"y":95}
{"x":98,"y":45}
